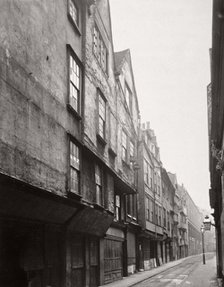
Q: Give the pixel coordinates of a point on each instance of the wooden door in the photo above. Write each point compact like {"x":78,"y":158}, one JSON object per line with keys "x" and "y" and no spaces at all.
{"x":112,"y":260}
{"x":94,"y":262}
{"x":77,"y":262}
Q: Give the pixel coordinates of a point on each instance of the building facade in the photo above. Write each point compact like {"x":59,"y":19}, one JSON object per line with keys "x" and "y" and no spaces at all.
{"x":216,"y":136}
{"x":155,"y":204}
{"x":84,"y":198}
{"x":37,"y":124}
{"x":168,"y":196}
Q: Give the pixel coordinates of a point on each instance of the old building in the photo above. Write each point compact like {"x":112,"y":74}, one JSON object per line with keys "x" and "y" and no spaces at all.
{"x":168,"y":193}
{"x":69,"y":129}
{"x":216,"y":136}
{"x":40,"y":77}
{"x":152,"y":217}
{"x":187,"y":222}
{"x":194,"y":221}
{"x":184,"y":221}
{"x":126,"y":133}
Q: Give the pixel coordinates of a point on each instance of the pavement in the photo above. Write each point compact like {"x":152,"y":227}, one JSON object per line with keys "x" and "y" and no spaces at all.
{"x":142,"y":276}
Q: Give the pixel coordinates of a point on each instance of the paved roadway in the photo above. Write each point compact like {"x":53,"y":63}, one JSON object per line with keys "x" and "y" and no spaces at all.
{"x":190,"y":273}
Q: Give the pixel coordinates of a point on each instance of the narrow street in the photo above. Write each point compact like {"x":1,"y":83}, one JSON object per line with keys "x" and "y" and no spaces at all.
{"x":191,"y":272}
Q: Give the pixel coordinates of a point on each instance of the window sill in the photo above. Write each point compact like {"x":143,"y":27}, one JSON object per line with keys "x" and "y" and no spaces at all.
{"x":74,"y":112}
{"x":112,"y":152}
{"x":74,"y":25}
{"x":125,"y":163}
{"x":146,"y":184}
{"x":98,"y":206}
{"x":74,"y":195}
{"x":109,"y":211}
{"x":101,"y":140}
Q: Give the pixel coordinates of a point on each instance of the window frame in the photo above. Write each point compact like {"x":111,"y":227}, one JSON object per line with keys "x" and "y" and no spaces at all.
{"x":132,"y":150}
{"x":168,"y":220}
{"x":152,"y":214}
{"x":128,"y":92}
{"x":124,"y":148}
{"x":76,"y":111}
{"x":159,"y":216}
{"x":98,"y":47}
{"x":156,"y":214}
{"x":149,"y":173}
{"x":74,"y":165}
{"x":117,"y":207}
{"x":164,"y":217}
{"x":146,"y":171}
{"x":98,"y":184}
{"x":101,"y":98}
{"x":75,"y":23}
{"x":147,"y":208}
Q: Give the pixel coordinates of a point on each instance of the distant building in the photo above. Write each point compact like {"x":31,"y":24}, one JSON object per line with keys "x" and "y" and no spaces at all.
{"x":155,"y":203}
{"x":188,"y":219}
{"x":168,"y":195}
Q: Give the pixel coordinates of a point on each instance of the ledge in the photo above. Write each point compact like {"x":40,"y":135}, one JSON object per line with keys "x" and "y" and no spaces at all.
{"x":73,"y":195}
{"x":98,"y":206}
{"x":74,"y":25}
{"x":101,"y":140}
{"x":74,"y":112}
{"x":112,"y":152}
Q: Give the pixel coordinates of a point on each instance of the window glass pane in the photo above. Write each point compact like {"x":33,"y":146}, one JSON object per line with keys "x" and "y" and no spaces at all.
{"x":74,"y":72}
{"x":99,"y":49}
{"x":74,"y":97}
{"x":98,"y":175}
{"x":74,"y":155}
{"x":98,"y":194}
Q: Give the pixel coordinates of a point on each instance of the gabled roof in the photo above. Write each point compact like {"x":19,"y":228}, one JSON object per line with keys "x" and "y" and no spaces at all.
{"x":173,"y":178}
{"x":119,"y":59}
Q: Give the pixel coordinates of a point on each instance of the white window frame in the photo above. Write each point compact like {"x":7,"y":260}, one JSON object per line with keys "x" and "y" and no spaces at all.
{"x":74,"y":83}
